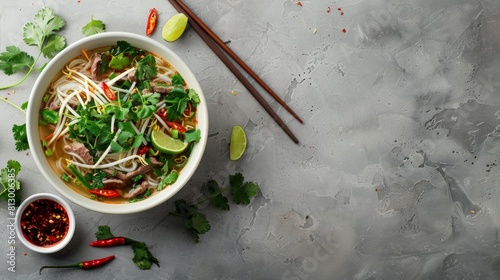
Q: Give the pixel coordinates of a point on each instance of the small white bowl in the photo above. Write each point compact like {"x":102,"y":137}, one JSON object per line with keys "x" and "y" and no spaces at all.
{"x":51,"y":248}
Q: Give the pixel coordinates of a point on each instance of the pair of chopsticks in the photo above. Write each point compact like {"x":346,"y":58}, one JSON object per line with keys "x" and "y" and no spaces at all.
{"x":216,"y":44}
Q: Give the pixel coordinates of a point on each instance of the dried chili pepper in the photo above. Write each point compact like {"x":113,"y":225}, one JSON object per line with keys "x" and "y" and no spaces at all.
{"x":151,"y":24}
{"x":44,"y":222}
{"x":84,"y":265}
{"x":105,"y":192}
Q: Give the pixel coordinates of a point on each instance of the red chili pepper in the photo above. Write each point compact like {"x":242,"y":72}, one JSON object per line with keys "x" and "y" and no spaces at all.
{"x":142,"y":150}
{"x":177,"y":126}
{"x":109,"y":94}
{"x":151,"y":24}
{"x":105,"y":193}
{"x":162,"y":113}
{"x":115,"y":241}
{"x":187,"y":111}
{"x":84,"y":264}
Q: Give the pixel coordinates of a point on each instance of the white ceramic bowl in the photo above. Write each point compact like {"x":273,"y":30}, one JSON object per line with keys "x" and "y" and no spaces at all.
{"x":56,"y":64}
{"x":59,"y":245}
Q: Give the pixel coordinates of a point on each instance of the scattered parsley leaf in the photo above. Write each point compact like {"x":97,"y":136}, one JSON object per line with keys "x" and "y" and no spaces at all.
{"x":45,"y":24}
{"x":13,"y":60}
{"x":41,"y":33}
{"x":142,"y":257}
{"x":196,"y":222}
{"x":24,"y":106}
{"x":8,"y":179}
{"x":54,"y":44}
{"x":20,"y":137}
{"x":215,"y":195}
{"x":103,"y":232}
{"x":95,"y":26}
{"x":241,"y":192}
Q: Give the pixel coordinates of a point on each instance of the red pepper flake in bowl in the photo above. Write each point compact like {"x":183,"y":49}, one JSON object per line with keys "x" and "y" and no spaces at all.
{"x":44,"y":222}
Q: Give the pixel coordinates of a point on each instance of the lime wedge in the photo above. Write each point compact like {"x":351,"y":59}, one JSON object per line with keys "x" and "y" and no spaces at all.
{"x":166,"y":144}
{"x":238,"y":143}
{"x":174,"y":27}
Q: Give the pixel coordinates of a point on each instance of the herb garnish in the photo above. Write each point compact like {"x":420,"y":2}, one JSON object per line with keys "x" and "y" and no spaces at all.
{"x":95,"y":26}
{"x":142,"y":256}
{"x":196,"y":222}
{"x":8,"y":179}
{"x":41,"y":33}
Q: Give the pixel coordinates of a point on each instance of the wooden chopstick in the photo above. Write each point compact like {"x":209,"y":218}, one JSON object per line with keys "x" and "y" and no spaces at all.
{"x":210,"y":43}
{"x":237,"y":59}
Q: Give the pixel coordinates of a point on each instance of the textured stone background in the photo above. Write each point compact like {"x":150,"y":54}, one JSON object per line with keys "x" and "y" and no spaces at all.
{"x":396,"y":174}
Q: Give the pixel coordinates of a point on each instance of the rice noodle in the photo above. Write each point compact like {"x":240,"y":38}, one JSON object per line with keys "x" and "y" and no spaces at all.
{"x":111,"y":164}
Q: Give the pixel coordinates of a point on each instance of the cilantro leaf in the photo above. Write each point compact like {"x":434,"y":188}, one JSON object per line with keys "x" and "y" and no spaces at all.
{"x":95,"y":26}
{"x":8,"y":179}
{"x":168,"y":180}
{"x":13,"y":60}
{"x":177,"y":80}
{"x":119,"y":62}
{"x":215,"y":195}
{"x":103,"y":232}
{"x":142,"y":256}
{"x":192,"y":135}
{"x":45,"y":24}
{"x":41,"y":33}
{"x":146,"y":68}
{"x":124,"y":47}
{"x":53,"y":44}
{"x":97,"y":179}
{"x":241,"y":192}
{"x":196,"y":222}
{"x":193,"y":96}
{"x":146,"y":111}
{"x":20,"y":137}
{"x":24,"y":106}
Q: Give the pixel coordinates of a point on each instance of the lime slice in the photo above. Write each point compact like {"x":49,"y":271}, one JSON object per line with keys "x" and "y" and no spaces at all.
{"x":166,"y":144}
{"x":174,"y":27}
{"x":238,"y":143}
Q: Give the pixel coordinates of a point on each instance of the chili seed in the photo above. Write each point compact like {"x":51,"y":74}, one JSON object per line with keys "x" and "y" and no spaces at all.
{"x":38,"y":225}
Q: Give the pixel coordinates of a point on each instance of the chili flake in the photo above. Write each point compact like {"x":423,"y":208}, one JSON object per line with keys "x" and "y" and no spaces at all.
{"x":44,"y":222}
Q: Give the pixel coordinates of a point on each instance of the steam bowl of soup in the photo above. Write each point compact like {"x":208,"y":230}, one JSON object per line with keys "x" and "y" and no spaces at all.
{"x":117,"y":123}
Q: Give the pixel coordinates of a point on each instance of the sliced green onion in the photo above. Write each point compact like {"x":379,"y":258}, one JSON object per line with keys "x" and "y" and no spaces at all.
{"x":79,"y":176}
{"x":174,"y":133}
{"x":48,"y":153}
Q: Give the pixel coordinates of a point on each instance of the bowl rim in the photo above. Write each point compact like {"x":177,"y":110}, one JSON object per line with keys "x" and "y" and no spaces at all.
{"x":61,"y":244}
{"x":44,"y":79}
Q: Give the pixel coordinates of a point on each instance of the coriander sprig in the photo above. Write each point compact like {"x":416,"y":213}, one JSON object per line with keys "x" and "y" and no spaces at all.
{"x":196,"y":222}
{"x":41,"y":33}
